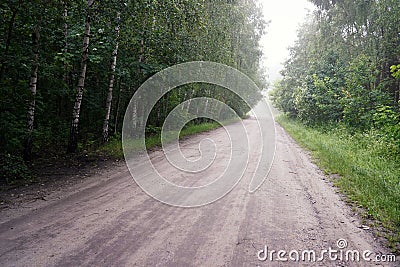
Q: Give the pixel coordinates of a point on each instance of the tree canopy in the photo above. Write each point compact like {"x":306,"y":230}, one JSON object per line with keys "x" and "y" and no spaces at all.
{"x":344,"y":66}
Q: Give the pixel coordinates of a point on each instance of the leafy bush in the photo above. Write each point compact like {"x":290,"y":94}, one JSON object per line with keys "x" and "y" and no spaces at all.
{"x":385,"y":116}
{"x":282,"y":97}
{"x":13,"y":169}
{"x":318,"y":100}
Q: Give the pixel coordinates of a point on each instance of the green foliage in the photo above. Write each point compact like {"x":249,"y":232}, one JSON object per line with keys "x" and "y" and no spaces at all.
{"x":282,"y":97}
{"x":385,"y":116}
{"x":317,"y":100}
{"x":13,"y":169}
{"x":338,"y":70}
{"x":395,"y":70}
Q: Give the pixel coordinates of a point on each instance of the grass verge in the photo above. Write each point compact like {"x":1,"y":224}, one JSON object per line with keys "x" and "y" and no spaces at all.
{"x":369,"y":173}
{"x":114,"y":147}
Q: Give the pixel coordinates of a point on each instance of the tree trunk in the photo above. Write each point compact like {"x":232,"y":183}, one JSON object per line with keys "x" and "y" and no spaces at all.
{"x":135,"y":116}
{"x":141,"y":56}
{"x":138,"y":110}
{"x":221,"y":106}
{"x":66,"y":74}
{"x":116,"y":114}
{"x":190,"y":101}
{"x":111,"y":83}
{"x":32,"y":89}
{"x":73,"y":137}
{"x":205,"y":107}
{"x":184,"y":99}
{"x":65,"y":16}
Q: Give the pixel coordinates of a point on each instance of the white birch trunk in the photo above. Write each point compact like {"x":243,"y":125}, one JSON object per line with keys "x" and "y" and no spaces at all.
{"x":111,"y":82}
{"x":73,"y":138}
{"x":32,"y":89}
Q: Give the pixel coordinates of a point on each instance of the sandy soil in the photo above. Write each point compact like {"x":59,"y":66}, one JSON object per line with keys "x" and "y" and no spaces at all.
{"x":107,"y":220}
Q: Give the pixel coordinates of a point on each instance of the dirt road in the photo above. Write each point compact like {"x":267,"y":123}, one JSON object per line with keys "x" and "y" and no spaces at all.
{"x":109,"y":221}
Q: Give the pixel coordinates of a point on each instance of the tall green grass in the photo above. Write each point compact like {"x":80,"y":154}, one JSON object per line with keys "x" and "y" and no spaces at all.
{"x":368,"y":166}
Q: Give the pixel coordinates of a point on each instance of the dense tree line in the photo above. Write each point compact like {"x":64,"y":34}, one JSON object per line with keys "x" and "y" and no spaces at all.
{"x":344,"y":67}
{"x":69,"y":68}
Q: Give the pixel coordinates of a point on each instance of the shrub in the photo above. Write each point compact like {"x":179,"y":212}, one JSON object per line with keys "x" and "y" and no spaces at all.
{"x":13,"y":169}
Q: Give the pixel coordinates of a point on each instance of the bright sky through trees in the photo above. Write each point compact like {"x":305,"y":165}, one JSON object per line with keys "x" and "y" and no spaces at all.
{"x":285,"y":17}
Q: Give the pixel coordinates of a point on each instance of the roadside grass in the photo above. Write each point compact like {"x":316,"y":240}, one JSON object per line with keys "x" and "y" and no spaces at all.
{"x":368,"y":167}
{"x":114,"y":147}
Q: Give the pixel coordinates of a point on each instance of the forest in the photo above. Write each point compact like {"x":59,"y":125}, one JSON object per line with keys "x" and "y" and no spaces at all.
{"x":69,"y":68}
{"x":340,"y":94}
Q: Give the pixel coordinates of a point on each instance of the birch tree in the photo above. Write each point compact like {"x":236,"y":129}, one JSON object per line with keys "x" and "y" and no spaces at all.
{"x":111,"y":82}
{"x":32,"y":90}
{"x":73,"y":138}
